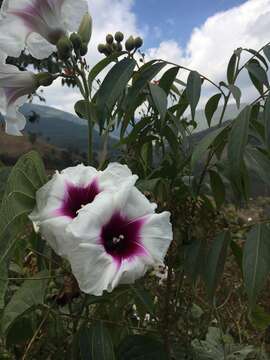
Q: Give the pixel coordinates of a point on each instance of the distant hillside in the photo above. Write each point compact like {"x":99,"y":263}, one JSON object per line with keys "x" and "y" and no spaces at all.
{"x":62,"y":129}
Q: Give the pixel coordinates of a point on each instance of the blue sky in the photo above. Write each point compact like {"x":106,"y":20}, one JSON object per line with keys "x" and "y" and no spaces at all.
{"x":176,"y":18}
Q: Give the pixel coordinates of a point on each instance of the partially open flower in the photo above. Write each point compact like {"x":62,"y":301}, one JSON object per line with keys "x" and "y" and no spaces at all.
{"x":118,"y":239}
{"x":61,"y":200}
{"x":38,"y":24}
{"x":15,"y":85}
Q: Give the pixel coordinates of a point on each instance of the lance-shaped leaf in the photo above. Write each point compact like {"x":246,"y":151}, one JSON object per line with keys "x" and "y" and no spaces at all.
{"x":218,"y":187}
{"x":266,"y":116}
{"x":231,"y":69}
{"x":258,"y":162}
{"x":215,"y":262}
{"x":266,"y":51}
{"x":237,"y":141}
{"x":160,"y":100}
{"x":113,"y":86}
{"x":210,"y":107}
{"x":168,"y":79}
{"x":257,"y":75}
{"x":194,"y":85}
{"x":236,"y":92}
{"x":256,"y":261}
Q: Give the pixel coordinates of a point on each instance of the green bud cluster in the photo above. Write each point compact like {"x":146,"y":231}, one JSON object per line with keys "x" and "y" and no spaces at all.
{"x":113,"y":44}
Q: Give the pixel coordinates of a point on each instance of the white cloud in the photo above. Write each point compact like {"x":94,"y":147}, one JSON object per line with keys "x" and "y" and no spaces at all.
{"x":208,"y":49}
{"x":211,"y":45}
{"x":108,"y":16}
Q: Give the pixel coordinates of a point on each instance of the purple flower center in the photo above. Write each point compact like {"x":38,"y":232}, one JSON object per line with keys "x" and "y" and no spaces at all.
{"x":121,"y":237}
{"x":76,"y":197}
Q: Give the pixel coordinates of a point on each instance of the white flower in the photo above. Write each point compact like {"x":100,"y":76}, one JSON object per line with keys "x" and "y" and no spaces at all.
{"x":61,"y":200}
{"x":38,"y":24}
{"x":15,"y":85}
{"x":119,"y":239}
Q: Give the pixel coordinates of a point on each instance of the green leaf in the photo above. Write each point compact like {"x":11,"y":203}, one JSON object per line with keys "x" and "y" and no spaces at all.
{"x":3,"y":283}
{"x":204,"y":145}
{"x":258,"y":162}
{"x":139,"y":347}
{"x":144,"y":298}
{"x":143,"y":76}
{"x":217,"y":187}
{"x":256,"y":261}
{"x":231,"y":69}
{"x":210,"y":107}
{"x":215,"y":262}
{"x":95,"y":343}
{"x":160,"y":100}
{"x":194,"y":85}
{"x":236,"y":92}
{"x":259,"y":318}
{"x":194,"y":258}
{"x":238,"y":138}
{"x":30,"y":294}
{"x":266,"y":116}
{"x":113,"y":85}
{"x":100,"y":66}
{"x":257,"y":75}
{"x":26,"y":177}
{"x":82,"y":107}
{"x":168,"y":79}
{"x":259,"y":56}
{"x":171,"y":137}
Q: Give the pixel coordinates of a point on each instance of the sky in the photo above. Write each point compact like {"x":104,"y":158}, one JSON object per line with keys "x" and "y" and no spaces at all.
{"x":199,"y":34}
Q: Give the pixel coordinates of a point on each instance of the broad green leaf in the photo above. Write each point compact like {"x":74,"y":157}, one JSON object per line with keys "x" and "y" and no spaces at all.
{"x":30,"y":294}
{"x":144,"y":298}
{"x":210,"y":107}
{"x":168,"y":79}
{"x":238,"y":138}
{"x":182,"y":105}
{"x":84,"y":110}
{"x":95,"y":343}
{"x":204,"y":145}
{"x":258,"y":162}
{"x":26,"y":177}
{"x":236,"y":92}
{"x":113,"y":85}
{"x":3,"y":283}
{"x":266,"y":115}
{"x":100,"y":66}
{"x":257,"y":75}
{"x":218,"y":187}
{"x":139,"y":347}
{"x":194,"y":258}
{"x":231,"y":69}
{"x":160,"y":100}
{"x":259,"y":318}
{"x":215,"y":262}
{"x":194,"y":85}
{"x":256,"y":261}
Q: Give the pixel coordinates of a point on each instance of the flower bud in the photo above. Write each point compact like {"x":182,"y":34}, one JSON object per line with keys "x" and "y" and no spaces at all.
{"x":76,"y":41}
{"x":109,"y":39}
{"x":85,"y":29}
{"x":64,"y":48}
{"x":101,"y":48}
{"x":119,"y":36}
{"x":44,"y":79}
{"x":129,"y":44}
{"x":84,"y":49}
{"x":138,"y":41}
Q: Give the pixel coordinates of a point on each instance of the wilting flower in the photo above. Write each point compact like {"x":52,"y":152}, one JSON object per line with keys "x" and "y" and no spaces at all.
{"x":118,"y":239}
{"x":61,"y":200}
{"x":38,"y":24}
{"x":15,"y":85}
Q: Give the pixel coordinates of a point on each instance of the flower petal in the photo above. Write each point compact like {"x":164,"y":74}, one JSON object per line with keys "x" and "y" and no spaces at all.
{"x":157,"y":235}
{"x":71,"y":18}
{"x":80,"y":174}
{"x":116,"y":174}
{"x":93,"y":269}
{"x":39,"y":47}
{"x":12,"y":36}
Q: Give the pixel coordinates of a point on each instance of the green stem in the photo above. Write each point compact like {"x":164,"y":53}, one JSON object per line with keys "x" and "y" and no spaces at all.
{"x":90,"y":135}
